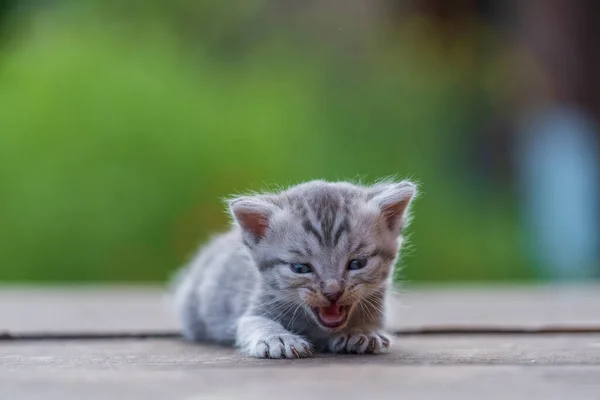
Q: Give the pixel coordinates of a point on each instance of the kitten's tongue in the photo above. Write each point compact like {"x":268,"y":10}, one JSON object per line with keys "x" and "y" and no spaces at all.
{"x":331,"y":314}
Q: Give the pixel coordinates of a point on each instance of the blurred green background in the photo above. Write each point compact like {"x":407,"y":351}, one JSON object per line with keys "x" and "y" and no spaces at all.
{"x":124,"y":124}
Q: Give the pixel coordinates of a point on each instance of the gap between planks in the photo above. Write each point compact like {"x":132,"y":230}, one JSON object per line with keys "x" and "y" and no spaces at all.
{"x":429,"y":331}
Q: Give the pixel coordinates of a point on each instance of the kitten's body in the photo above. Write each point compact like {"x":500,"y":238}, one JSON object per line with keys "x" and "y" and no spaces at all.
{"x":245,"y":288}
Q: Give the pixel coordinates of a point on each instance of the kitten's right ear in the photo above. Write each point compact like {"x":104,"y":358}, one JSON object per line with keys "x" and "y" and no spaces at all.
{"x":252,"y":213}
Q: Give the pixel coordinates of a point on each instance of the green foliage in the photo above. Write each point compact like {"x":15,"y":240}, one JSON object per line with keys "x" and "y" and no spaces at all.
{"x":117,"y":144}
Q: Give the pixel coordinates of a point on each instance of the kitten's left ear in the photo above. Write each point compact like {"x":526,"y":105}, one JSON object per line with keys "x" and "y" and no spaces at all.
{"x":394,"y":199}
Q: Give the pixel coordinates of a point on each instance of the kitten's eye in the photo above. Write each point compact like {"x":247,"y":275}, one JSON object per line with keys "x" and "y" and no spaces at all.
{"x":301,"y":268}
{"x":356,"y":264}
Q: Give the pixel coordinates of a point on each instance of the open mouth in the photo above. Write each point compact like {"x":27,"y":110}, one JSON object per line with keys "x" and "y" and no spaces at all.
{"x":333,"y":316}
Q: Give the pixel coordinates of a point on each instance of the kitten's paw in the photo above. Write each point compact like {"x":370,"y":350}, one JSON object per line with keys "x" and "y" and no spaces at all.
{"x":279,"y":346}
{"x":360,"y":343}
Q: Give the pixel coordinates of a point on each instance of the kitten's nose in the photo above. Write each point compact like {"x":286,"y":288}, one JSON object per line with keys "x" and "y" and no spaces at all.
{"x":332,"y":290}
{"x":333,"y":296}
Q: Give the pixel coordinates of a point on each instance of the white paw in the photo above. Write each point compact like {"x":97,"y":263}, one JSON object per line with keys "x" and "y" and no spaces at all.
{"x":279,"y":346}
{"x":360,"y":343}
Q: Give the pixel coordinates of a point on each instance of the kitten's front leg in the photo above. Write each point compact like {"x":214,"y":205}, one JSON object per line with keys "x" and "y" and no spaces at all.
{"x":374,"y":342}
{"x":264,"y":338}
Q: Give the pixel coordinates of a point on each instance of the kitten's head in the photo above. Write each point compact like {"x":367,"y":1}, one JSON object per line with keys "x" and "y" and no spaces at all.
{"x":326,"y":246}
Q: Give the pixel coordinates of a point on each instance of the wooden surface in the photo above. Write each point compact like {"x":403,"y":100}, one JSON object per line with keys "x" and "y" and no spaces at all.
{"x":516,"y":366}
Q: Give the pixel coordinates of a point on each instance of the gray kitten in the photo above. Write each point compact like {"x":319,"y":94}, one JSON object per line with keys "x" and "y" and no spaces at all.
{"x":304,"y":269}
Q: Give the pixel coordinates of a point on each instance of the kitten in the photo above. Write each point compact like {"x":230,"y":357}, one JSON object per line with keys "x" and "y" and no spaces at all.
{"x":304,"y":269}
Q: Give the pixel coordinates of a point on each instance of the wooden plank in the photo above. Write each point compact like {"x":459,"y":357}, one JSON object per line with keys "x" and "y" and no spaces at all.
{"x":126,"y":309}
{"x":497,"y":306}
{"x":425,"y":368}
{"x":175,"y":353}
{"x":344,"y":382}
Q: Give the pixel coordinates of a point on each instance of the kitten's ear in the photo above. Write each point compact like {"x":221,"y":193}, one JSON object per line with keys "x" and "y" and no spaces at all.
{"x":252,"y":213}
{"x":394,"y":199}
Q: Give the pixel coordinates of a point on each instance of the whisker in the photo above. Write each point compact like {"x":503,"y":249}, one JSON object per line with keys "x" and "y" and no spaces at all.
{"x":275,"y":300}
{"x":365,"y":310}
{"x":283,"y":305}
{"x":294,"y":314}
{"x":285,"y":311}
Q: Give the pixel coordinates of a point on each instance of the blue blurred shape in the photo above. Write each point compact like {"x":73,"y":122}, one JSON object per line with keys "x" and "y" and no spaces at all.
{"x":558,"y":163}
